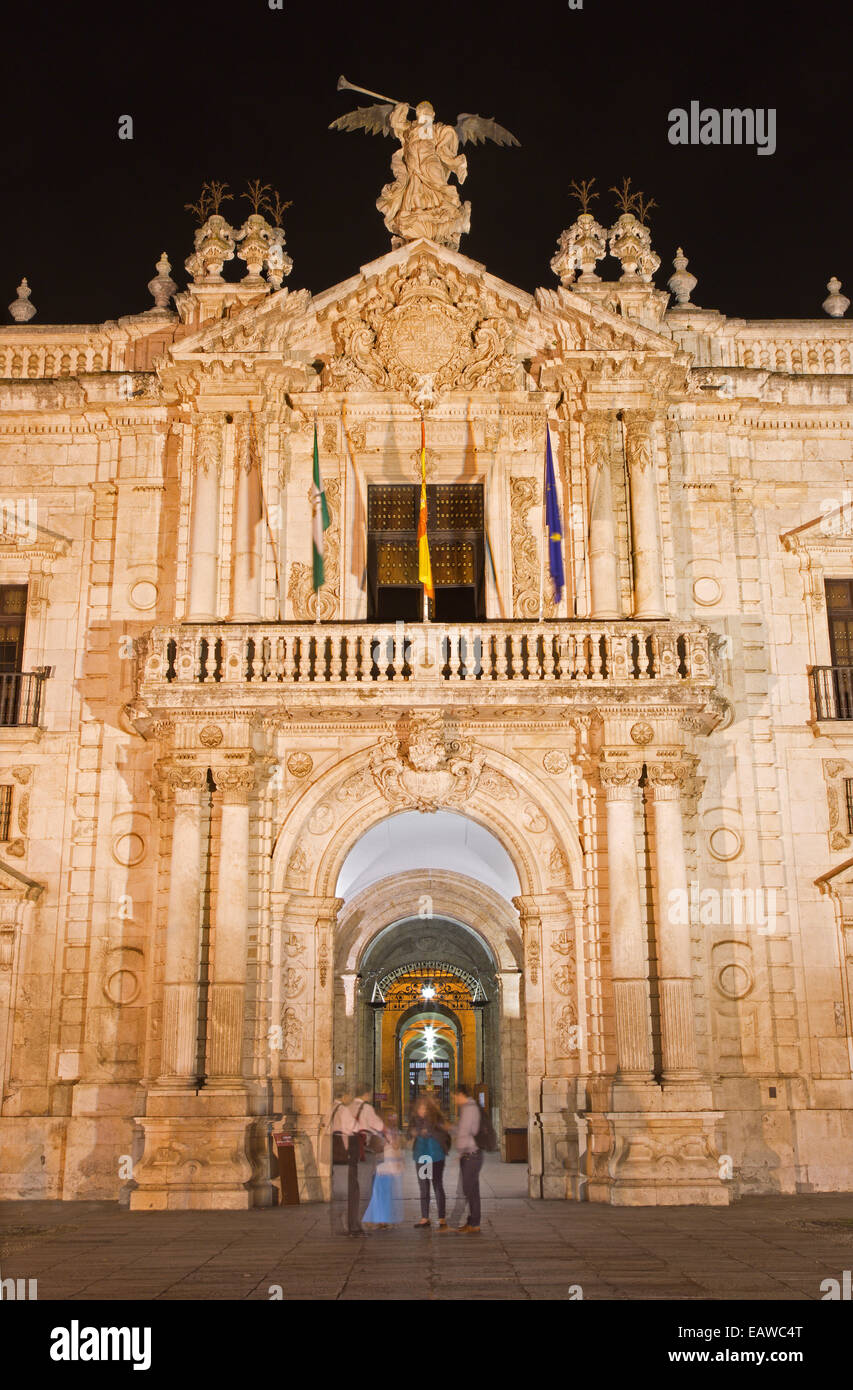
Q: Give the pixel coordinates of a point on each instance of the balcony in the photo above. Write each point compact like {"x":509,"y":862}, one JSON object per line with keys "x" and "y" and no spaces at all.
{"x":832,"y":687}
{"x":21,"y":697}
{"x":198,"y":665}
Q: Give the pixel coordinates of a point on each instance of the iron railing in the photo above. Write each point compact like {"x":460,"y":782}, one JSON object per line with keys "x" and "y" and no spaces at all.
{"x":833,"y":691}
{"x":21,"y":697}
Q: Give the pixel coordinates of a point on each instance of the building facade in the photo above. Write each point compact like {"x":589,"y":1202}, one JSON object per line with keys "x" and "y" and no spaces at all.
{"x":257,"y":836}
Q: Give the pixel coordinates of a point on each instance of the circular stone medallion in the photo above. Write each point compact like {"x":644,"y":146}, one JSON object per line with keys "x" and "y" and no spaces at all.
{"x":707,"y":591}
{"x":725,"y":843}
{"x":734,"y":979}
{"x":122,"y":987}
{"x":129,"y":848}
{"x":144,"y":594}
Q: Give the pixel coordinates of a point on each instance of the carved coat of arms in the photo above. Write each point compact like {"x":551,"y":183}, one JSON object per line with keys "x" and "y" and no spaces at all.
{"x":423,"y":767}
{"x":423,"y":331}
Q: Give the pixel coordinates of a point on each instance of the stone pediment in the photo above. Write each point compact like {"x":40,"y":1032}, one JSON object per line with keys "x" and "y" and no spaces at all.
{"x":21,"y":533}
{"x":832,"y":530}
{"x":424,"y":320}
{"x":16,"y":886}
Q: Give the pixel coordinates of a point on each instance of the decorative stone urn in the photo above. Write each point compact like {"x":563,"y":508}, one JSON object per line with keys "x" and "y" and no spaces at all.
{"x":214,"y":245}
{"x":631,"y":243}
{"x":581,"y":247}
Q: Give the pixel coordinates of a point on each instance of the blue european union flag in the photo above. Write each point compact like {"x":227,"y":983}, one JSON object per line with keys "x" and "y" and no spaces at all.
{"x":553,"y":523}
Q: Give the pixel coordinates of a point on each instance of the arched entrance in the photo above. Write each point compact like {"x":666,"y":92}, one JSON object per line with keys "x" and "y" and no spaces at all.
{"x":496,"y":870}
{"x":430,"y":995}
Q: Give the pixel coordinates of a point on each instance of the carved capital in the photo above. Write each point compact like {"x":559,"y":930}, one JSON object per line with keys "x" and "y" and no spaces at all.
{"x":666,"y":780}
{"x":639,"y":439}
{"x":208,"y":445}
{"x":235,"y":783}
{"x":181,"y":777}
{"x":596,"y":440}
{"x":620,"y":779}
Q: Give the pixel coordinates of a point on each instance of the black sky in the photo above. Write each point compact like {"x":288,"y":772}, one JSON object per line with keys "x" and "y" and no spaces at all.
{"x":243,"y":91}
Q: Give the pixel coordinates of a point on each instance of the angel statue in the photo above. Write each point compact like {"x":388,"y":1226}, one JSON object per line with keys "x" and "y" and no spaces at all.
{"x":420,"y":202}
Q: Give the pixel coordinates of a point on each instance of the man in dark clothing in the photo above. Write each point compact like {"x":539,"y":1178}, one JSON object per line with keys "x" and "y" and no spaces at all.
{"x":470,"y":1158}
{"x":365,"y":1121}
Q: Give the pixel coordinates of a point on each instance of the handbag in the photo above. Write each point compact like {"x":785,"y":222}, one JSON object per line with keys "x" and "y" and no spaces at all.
{"x":370,"y":1142}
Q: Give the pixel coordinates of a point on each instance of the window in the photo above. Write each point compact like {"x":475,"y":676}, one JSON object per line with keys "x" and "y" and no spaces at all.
{"x":839,"y":607}
{"x":848,"y":801}
{"x":456,"y":535}
{"x":5,"y":811}
{"x":13,"y":616}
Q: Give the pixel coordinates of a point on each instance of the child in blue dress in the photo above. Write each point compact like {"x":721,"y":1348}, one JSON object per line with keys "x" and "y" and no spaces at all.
{"x":386,"y":1200}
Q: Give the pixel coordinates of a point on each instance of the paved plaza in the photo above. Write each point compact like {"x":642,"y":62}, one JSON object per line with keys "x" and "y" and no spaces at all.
{"x":760,"y":1248}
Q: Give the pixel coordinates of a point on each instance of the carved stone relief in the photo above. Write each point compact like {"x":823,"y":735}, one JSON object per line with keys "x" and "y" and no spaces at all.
{"x":423,"y":766}
{"x":526,"y":566}
{"x":300,"y":591}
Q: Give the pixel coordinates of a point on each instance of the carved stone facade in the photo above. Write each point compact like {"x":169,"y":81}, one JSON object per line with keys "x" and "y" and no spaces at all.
{"x":199,"y":741}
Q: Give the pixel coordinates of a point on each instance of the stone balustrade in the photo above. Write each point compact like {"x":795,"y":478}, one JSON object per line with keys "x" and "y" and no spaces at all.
{"x":798,"y":351}
{"x":254,"y":658}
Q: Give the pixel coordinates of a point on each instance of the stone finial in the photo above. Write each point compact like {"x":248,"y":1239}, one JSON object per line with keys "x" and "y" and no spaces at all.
{"x":214,"y":245}
{"x":279,"y":263}
{"x":581,"y":247}
{"x":682,"y":283}
{"x":631,"y":244}
{"x":836,"y":304}
{"x":21,"y":309}
{"x":162,"y":287}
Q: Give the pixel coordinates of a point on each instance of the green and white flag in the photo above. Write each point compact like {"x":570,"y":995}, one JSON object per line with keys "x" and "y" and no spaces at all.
{"x":319,"y":517}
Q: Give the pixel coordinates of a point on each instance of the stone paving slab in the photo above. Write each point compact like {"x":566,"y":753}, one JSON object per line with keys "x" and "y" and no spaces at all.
{"x":528,"y":1250}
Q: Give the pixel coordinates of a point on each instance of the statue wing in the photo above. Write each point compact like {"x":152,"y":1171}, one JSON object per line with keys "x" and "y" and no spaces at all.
{"x":478,"y":129}
{"x":376,"y":119}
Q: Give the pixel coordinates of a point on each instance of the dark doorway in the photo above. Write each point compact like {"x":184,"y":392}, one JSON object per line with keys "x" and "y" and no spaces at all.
{"x":456,"y":534}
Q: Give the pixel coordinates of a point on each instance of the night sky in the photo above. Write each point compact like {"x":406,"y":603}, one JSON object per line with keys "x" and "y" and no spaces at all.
{"x":242,"y":92}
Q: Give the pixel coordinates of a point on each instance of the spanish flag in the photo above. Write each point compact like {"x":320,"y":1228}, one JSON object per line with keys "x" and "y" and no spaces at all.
{"x":424,"y":566}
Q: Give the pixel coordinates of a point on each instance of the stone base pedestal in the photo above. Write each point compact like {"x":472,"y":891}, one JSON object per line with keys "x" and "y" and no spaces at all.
{"x":554,"y":1142}
{"x":654,"y":1158}
{"x":203,"y":1152}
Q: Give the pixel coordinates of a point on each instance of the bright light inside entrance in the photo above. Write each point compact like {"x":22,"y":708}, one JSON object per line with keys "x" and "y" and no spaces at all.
{"x":429,"y":1041}
{"x":428,"y":992}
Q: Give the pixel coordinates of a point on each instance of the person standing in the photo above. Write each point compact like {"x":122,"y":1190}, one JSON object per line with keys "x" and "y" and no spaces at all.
{"x":341,"y":1122}
{"x":362,"y":1154}
{"x":470,"y":1158}
{"x":430,"y":1143}
{"x":386,"y":1200}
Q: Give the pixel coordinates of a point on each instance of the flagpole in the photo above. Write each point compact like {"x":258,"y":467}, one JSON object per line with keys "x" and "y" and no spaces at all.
{"x":423,"y":480}
{"x":257,"y":454}
{"x":544,"y":527}
{"x":317,"y":618}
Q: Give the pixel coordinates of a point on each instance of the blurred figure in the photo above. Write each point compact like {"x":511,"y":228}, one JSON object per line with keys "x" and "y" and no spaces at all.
{"x":470,"y":1158}
{"x":340,"y":1121}
{"x":386,"y":1200}
{"x":430,"y":1144}
{"x":363,"y":1156}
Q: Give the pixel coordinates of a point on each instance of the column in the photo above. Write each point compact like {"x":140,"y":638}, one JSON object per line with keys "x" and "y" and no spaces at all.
{"x":605,"y":601}
{"x":202,"y":601}
{"x":245,"y":594}
{"x":649,"y":599}
{"x":627,"y":945}
{"x":229,"y":962}
{"x":178,"y":1063}
{"x":678,"y":1040}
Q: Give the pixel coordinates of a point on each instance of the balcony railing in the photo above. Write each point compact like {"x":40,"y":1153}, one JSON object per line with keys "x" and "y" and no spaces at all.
{"x":559,"y":655}
{"x":21,"y":697}
{"x":833,"y":691}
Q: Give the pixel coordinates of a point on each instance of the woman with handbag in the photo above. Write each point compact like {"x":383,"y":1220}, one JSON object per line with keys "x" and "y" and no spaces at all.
{"x":430,"y":1145}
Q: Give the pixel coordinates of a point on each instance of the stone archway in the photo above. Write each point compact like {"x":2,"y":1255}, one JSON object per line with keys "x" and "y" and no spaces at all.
{"x":316,"y":939}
